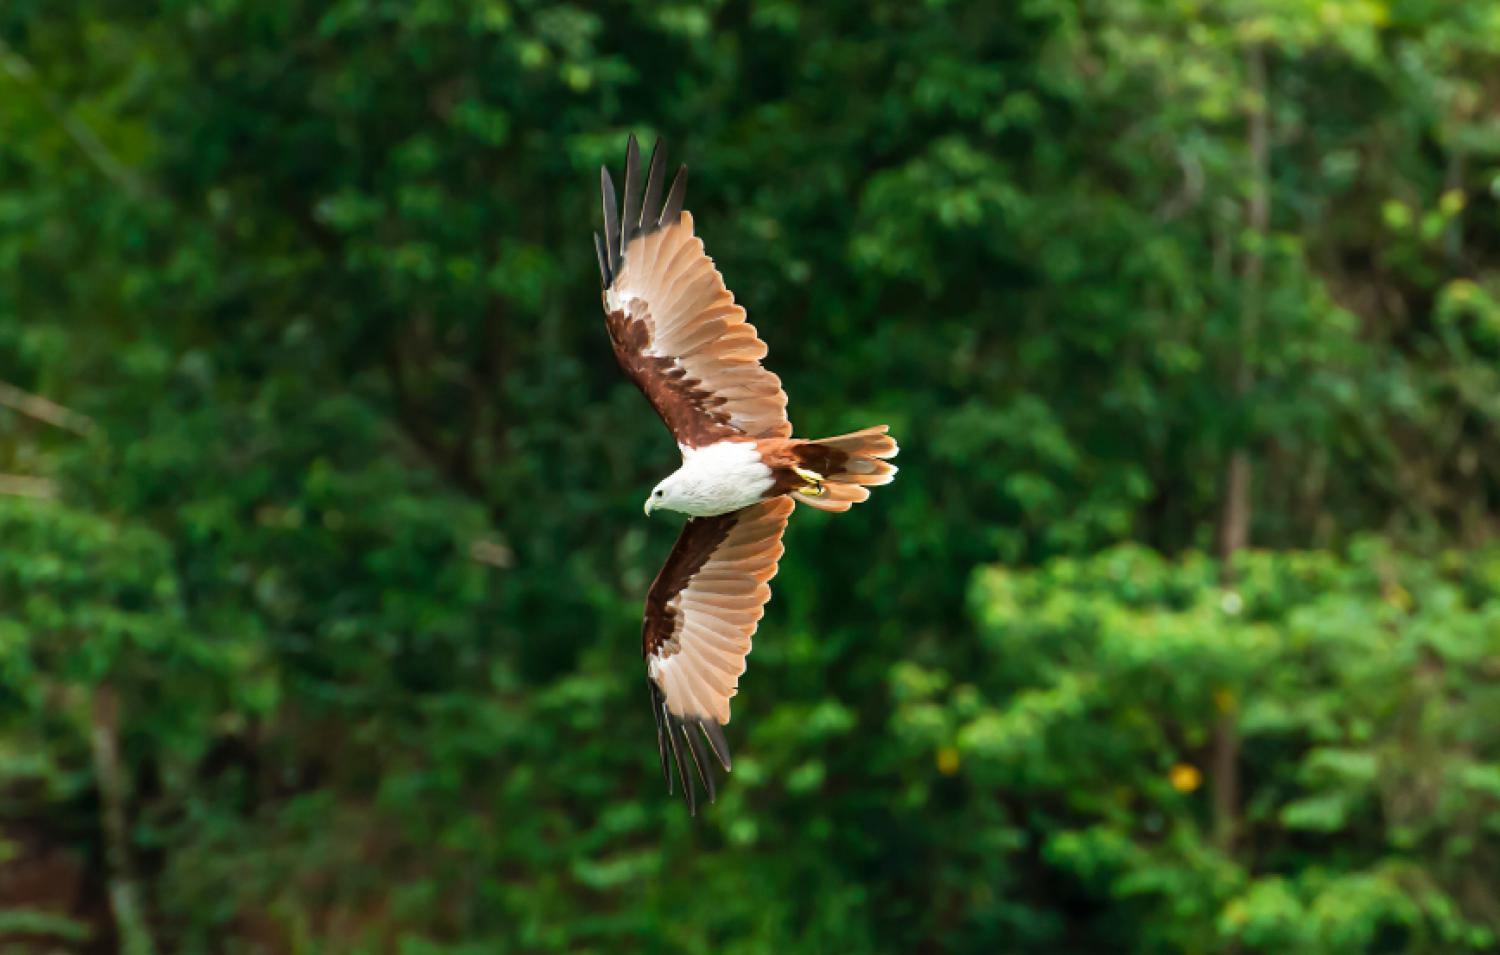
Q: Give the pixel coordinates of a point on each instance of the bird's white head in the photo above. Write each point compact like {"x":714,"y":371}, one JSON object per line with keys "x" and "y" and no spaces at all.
{"x":680,"y":491}
{"x":662,"y":496}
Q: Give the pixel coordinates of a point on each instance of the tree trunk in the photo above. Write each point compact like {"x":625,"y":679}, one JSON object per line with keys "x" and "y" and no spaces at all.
{"x":1234,"y":527}
{"x":124,"y":894}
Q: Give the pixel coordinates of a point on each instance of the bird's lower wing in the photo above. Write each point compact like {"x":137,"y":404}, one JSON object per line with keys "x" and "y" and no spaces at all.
{"x":701,"y":614}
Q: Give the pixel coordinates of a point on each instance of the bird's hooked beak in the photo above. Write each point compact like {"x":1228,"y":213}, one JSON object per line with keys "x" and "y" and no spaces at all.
{"x":650,"y":504}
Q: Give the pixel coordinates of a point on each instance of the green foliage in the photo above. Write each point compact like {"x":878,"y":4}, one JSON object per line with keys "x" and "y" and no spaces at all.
{"x":339,"y":550}
{"x":1362,"y":694}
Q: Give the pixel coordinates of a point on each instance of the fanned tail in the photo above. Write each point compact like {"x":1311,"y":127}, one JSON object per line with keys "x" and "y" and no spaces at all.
{"x":851,"y":464}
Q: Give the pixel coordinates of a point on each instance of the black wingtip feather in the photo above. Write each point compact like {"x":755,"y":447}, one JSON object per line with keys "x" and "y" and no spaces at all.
{"x":621,"y":225}
{"x":694,"y":772}
{"x":686,"y":745}
{"x":611,"y":220}
{"x":700,"y":760}
{"x":673,"y":208}
{"x":659,"y":710}
{"x":653,"y":184}
{"x":716,"y":741}
{"x":630,"y":218}
{"x":603,"y":254}
{"x":688,"y":792}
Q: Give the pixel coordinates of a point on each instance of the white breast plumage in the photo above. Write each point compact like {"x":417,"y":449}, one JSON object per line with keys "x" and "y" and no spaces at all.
{"x":720,"y":477}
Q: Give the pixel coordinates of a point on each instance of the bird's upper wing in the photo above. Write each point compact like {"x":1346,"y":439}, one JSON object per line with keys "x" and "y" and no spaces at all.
{"x":676,"y":329}
{"x":701,"y":612}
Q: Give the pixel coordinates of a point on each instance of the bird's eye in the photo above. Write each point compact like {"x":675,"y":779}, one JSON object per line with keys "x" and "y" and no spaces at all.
{"x":658,"y":493}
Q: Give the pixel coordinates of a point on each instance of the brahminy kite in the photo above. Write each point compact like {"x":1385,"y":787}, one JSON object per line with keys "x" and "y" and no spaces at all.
{"x":679,"y":335}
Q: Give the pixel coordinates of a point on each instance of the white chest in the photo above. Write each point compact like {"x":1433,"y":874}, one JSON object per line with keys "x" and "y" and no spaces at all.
{"x":719,"y":478}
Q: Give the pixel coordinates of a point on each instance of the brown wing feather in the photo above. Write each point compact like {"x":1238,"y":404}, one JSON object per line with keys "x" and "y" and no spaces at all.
{"x":701,"y":613}
{"x":676,"y":329}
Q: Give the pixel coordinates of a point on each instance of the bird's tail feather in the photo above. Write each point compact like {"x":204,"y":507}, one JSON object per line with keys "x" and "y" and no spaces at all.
{"x":851,"y":464}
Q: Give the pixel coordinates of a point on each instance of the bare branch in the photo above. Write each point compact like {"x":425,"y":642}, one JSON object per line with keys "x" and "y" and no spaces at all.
{"x":24,"y":485}
{"x":494,"y":553}
{"x":50,"y":412}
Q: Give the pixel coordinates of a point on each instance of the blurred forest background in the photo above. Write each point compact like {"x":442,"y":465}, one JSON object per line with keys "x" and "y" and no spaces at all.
{"x":321,"y":555}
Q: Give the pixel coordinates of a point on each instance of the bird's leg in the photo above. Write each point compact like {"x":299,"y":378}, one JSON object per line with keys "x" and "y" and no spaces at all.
{"x":815,"y":487}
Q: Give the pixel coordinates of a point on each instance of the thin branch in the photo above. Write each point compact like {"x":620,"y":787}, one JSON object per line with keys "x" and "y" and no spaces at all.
{"x":20,"y":70}
{"x":495,"y":553}
{"x":42,"y":409}
{"x":23,"y":485}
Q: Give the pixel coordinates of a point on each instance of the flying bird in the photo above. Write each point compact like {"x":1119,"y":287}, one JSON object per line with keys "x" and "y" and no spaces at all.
{"x":679,"y":335}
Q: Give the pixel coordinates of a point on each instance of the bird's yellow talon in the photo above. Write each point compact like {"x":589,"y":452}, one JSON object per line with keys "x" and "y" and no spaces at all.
{"x":814,"y":481}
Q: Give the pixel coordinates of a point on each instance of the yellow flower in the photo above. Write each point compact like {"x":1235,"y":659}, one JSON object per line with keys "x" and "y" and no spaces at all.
{"x":1399,"y":597}
{"x":1185,"y":777}
{"x":947,"y":760}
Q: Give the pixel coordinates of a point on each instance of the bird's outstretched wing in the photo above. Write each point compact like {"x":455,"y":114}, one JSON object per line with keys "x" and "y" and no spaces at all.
{"x":701,"y":612}
{"x":676,"y":329}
